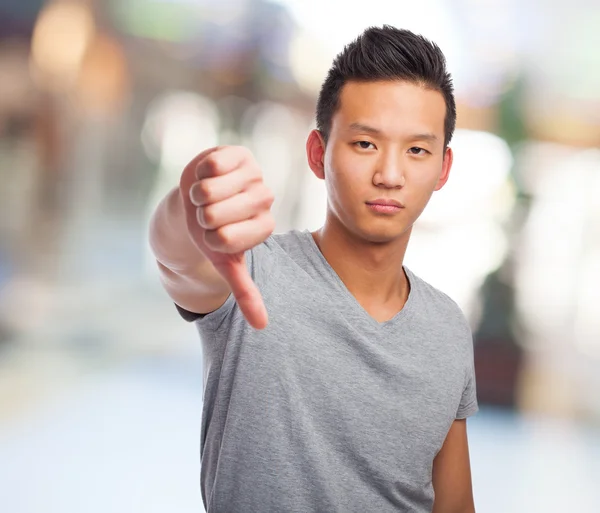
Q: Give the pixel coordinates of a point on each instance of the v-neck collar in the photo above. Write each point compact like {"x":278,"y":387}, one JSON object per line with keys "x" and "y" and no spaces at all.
{"x":349,"y":298}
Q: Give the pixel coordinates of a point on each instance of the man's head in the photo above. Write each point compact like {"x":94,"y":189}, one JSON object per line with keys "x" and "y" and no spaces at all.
{"x":385,"y":54}
{"x":385,"y":116}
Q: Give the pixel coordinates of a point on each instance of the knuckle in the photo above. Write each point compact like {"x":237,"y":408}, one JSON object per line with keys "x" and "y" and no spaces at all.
{"x":245,"y":152}
{"x":256,"y":173}
{"x":265,"y":203}
{"x":204,"y":191}
{"x":212,"y":164}
{"x":223,"y":237}
{"x":215,"y":240}
{"x":269,"y":196}
{"x":252,"y":175}
{"x":249,"y":161}
{"x":270,"y":225}
{"x":209,"y":217}
{"x":264,"y":197}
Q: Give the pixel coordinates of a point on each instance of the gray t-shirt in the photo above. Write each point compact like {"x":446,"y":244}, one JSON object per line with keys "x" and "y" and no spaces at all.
{"x":328,"y":410}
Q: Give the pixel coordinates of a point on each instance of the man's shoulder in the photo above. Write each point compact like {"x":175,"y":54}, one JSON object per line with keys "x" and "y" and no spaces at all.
{"x":435,"y":302}
{"x":283,"y":251}
{"x":289,"y":238}
{"x":290,"y":243}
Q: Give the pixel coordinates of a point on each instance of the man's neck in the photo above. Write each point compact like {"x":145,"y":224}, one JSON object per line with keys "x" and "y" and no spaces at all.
{"x":372,"y":272}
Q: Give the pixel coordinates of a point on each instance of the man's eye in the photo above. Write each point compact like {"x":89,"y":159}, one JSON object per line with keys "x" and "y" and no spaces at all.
{"x":417,"y":151}
{"x":364,"y":144}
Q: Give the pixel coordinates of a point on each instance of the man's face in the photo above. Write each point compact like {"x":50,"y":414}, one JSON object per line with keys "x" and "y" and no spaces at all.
{"x":386,"y":144}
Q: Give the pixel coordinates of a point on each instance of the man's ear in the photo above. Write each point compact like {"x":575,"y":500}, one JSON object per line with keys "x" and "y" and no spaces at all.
{"x":315,"y":153}
{"x":446,"y":166}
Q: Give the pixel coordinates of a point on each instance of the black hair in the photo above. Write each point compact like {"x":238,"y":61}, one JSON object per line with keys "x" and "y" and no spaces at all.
{"x":387,"y":53}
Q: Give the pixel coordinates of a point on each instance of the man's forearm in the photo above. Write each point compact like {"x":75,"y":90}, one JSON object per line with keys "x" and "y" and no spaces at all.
{"x":169,"y":238}
{"x":187,"y":275}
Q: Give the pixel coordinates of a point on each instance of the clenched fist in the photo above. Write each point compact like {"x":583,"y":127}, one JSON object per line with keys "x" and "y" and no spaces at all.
{"x":227,"y":209}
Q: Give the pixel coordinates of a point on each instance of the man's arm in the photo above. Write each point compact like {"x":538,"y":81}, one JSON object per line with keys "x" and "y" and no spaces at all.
{"x":452,"y":473}
{"x":201,"y":230}
{"x":186,"y":274}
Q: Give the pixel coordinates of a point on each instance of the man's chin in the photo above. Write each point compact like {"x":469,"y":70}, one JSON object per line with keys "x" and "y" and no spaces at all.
{"x":383,"y":235}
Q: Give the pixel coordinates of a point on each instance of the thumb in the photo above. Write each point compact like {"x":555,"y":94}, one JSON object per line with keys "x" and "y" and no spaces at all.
{"x":245,"y":291}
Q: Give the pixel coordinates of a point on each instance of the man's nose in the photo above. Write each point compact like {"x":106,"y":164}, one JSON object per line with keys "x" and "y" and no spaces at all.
{"x":390,"y":173}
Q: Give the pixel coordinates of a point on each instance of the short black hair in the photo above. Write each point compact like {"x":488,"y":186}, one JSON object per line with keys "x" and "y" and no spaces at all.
{"x":387,"y":53}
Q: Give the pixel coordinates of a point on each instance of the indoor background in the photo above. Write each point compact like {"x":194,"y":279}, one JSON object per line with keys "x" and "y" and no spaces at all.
{"x":102,"y":103}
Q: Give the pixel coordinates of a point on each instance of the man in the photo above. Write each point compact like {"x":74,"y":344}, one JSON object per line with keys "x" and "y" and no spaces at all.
{"x":352,"y":396}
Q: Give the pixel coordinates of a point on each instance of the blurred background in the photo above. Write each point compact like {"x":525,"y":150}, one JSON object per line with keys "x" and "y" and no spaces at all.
{"x":102,"y":103}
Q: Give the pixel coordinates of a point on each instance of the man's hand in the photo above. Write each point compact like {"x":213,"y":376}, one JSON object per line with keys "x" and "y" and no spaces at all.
{"x":227,"y":208}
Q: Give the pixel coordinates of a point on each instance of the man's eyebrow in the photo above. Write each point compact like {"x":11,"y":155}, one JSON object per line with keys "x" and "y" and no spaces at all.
{"x":424,"y":137}
{"x":360,"y":127}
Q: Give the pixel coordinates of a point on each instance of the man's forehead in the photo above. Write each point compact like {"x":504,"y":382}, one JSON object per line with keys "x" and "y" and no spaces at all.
{"x":376,"y":108}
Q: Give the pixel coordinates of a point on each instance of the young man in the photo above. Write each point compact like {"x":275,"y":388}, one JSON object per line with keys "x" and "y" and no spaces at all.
{"x":353,"y":395}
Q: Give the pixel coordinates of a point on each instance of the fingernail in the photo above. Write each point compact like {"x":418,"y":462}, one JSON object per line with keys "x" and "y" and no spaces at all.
{"x":192,"y":199}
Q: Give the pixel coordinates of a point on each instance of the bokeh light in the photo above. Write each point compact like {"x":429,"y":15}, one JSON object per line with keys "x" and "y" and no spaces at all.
{"x":61,"y":37}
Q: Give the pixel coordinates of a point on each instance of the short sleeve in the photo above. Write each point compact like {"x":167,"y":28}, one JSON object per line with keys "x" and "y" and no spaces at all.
{"x":468,"y":404}
{"x":188,"y":316}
